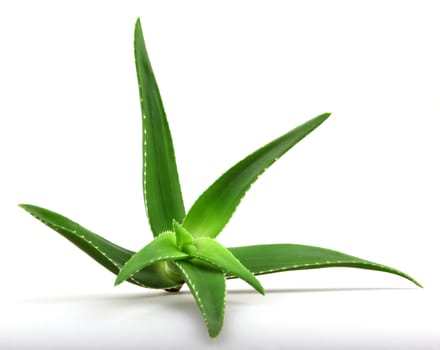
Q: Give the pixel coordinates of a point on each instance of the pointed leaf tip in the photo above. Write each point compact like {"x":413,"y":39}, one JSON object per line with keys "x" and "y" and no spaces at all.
{"x":106,"y":253}
{"x":118,"y":280}
{"x":212,"y":252}
{"x":161,"y":187}
{"x":209,"y":290}
{"x":213,"y":209}
{"x":271,"y":258}
{"x":25,"y":206}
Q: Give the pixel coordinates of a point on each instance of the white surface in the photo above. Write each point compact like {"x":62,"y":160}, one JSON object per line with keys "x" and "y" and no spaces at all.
{"x":283,"y":319}
{"x":233,"y":76}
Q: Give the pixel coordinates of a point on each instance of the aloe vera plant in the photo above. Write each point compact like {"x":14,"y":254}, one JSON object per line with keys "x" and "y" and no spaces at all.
{"x":184,"y":248}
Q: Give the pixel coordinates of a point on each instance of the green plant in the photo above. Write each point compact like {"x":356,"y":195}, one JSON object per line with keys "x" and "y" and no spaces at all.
{"x":184,"y":249}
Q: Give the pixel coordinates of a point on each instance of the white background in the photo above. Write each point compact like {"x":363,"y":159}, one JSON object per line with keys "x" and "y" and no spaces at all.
{"x":233,"y":76}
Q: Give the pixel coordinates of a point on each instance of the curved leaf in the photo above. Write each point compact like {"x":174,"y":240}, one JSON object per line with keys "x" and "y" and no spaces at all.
{"x":108,"y":254}
{"x":162,"y":248}
{"x":208,"y":286}
{"x":270,"y":258}
{"x":213,"y":209}
{"x":212,"y":252}
{"x":162,"y":193}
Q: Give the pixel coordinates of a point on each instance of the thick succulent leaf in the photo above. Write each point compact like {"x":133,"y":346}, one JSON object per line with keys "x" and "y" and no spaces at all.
{"x":108,"y":254}
{"x":162,"y":248}
{"x":162,"y":193}
{"x":213,"y":209}
{"x":208,"y":287}
{"x":214,"y":253}
{"x":183,"y":237}
{"x":270,"y":258}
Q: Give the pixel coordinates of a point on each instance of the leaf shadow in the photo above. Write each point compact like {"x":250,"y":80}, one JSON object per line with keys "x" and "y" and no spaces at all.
{"x":147,"y":306}
{"x":319,"y":290}
{"x":135,"y":299}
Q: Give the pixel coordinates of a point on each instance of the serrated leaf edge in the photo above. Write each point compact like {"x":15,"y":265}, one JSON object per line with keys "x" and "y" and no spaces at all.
{"x":338,"y":263}
{"x":195,"y":292}
{"x":221,"y":268}
{"x":256,"y":176}
{"x":114,"y":263}
{"x":159,"y":259}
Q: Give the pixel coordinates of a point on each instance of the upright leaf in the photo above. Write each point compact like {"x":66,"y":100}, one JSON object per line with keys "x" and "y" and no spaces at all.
{"x":208,"y":286}
{"x":270,"y":258}
{"x":162,"y":193}
{"x":183,"y":237}
{"x":213,"y":209}
{"x":108,"y":254}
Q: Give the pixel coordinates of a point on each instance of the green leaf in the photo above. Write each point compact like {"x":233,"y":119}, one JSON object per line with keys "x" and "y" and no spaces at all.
{"x":162,"y":193}
{"x":208,"y":286}
{"x":162,"y":248}
{"x":108,"y":254}
{"x":270,"y":258}
{"x":183,"y":237}
{"x":214,"y":253}
{"x":213,"y":209}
